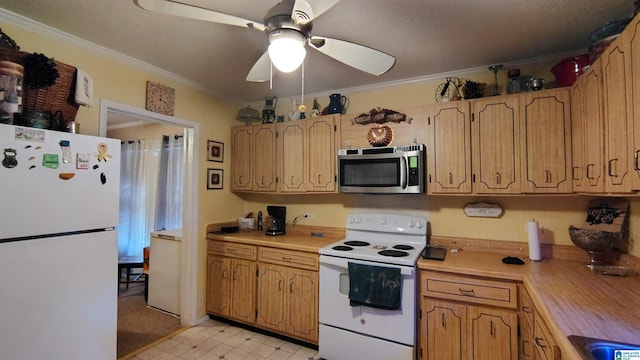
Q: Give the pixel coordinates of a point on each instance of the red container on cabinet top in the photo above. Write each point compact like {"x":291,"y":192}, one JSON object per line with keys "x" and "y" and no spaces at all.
{"x":567,"y":71}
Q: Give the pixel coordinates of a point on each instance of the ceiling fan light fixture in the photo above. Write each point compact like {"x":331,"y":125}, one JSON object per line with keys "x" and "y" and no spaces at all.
{"x":287,"y":49}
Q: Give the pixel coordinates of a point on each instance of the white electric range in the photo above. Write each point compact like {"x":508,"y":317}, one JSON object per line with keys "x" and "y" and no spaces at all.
{"x":356,"y":331}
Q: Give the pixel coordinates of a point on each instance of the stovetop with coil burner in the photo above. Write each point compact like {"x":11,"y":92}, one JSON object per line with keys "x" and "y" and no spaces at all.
{"x":383,"y":238}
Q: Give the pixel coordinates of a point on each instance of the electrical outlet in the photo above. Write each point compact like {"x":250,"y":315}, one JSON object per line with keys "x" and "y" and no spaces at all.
{"x":308,"y":215}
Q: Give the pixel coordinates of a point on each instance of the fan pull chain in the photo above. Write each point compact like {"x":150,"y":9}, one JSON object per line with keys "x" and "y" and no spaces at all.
{"x":302,"y":95}
{"x":270,"y":75}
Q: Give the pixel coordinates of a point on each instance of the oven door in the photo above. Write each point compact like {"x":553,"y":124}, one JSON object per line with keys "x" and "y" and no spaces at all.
{"x":335,"y":311}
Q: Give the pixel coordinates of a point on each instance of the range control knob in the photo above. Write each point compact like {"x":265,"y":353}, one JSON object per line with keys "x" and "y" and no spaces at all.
{"x":383,"y":221}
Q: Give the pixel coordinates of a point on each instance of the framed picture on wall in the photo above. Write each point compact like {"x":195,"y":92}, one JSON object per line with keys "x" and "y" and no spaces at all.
{"x":214,"y":179}
{"x":215,"y":151}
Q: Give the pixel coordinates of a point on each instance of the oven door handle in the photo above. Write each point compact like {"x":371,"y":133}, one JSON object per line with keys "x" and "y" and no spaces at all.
{"x":343,"y":264}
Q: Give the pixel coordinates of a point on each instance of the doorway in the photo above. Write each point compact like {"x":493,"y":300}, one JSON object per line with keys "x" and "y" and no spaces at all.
{"x":113,"y":111}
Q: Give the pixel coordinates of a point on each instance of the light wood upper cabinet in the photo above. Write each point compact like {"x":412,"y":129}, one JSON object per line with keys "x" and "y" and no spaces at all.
{"x":306,"y":155}
{"x":292,"y":145}
{"x":321,"y":153}
{"x":631,"y":35}
{"x":546,"y":141}
{"x":253,"y":158}
{"x":618,"y":116}
{"x":587,"y":132}
{"x":241,"y":160}
{"x":449,"y":148}
{"x":495,"y":139}
{"x":264,"y":157}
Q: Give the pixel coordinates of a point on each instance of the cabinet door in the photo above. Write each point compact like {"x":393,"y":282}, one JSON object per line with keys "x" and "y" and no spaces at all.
{"x":616,"y":72}
{"x":587,"y":132}
{"x":449,"y":148}
{"x":492,"y":333}
{"x":272,"y":282}
{"x":545,"y":345}
{"x":292,"y":145}
{"x":546,"y":142}
{"x":442,"y":330}
{"x":321,"y":153}
{"x":243,"y":291}
{"x":264,"y":157}
{"x":495,"y":138}
{"x":631,"y":35}
{"x":241,"y":165}
{"x":302,"y":304}
{"x":218,"y":278}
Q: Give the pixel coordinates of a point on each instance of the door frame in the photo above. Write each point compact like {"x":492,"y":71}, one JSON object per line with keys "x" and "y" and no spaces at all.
{"x":189,"y":276}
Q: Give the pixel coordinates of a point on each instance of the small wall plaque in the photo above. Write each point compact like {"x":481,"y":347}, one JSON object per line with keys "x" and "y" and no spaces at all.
{"x":483,"y":209}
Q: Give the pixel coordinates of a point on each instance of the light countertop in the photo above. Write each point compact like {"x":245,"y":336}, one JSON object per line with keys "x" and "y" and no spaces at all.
{"x":299,"y":238}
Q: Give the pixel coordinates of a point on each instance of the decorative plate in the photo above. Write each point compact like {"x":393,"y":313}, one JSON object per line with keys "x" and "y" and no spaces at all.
{"x":381,"y":135}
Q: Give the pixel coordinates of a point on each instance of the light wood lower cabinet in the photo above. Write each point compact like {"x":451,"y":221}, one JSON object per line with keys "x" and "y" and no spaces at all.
{"x":231,"y":281}
{"x":456,"y":324}
{"x":536,"y":341}
{"x":288,"y":293}
{"x":231,"y":288}
{"x":269,"y":288}
{"x":287,"y":301}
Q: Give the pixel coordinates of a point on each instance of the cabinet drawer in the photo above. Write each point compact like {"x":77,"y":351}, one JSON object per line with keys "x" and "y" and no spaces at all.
{"x":289,"y":258}
{"x":469,"y":289}
{"x":241,"y":251}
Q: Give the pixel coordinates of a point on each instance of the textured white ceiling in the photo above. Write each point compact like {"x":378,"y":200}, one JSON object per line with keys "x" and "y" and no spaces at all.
{"x":427,"y":37}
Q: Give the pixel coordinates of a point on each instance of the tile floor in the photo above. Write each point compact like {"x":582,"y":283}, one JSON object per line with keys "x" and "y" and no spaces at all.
{"x":213,"y":340}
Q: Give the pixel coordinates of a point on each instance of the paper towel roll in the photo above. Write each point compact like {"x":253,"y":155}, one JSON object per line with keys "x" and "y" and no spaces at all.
{"x":534,"y":241}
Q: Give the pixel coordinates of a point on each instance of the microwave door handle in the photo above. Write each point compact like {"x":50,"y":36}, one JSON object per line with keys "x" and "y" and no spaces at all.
{"x":403,"y":172}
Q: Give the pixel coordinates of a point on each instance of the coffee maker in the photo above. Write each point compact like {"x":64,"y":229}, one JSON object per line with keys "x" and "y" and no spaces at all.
{"x":277,"y":221}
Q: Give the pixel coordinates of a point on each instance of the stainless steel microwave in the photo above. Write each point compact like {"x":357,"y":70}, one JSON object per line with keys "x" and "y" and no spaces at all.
{"x":382,"y":170}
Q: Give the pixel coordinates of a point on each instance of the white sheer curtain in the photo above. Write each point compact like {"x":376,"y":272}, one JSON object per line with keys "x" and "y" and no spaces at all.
{"x":170,"y":191}
{"x":138,"y":189}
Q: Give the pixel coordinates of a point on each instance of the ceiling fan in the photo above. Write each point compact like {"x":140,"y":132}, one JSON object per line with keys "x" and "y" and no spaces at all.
{"x":288,"y":27}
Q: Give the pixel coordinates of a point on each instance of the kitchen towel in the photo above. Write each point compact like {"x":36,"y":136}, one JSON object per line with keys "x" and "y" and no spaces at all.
{"x":374,"y":286}
{"x":84,"y":88}
{"x":534,"y":240}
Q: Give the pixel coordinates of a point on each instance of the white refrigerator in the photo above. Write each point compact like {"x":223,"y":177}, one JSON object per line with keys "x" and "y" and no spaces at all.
{"x":59,"y":195}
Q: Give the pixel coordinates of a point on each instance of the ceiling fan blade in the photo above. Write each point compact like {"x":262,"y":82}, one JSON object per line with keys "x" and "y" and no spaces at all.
{"x":193,"y":12}
{"x":261,"y":70}
{"x":306,"y":10}
{"x":363,"y":58}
